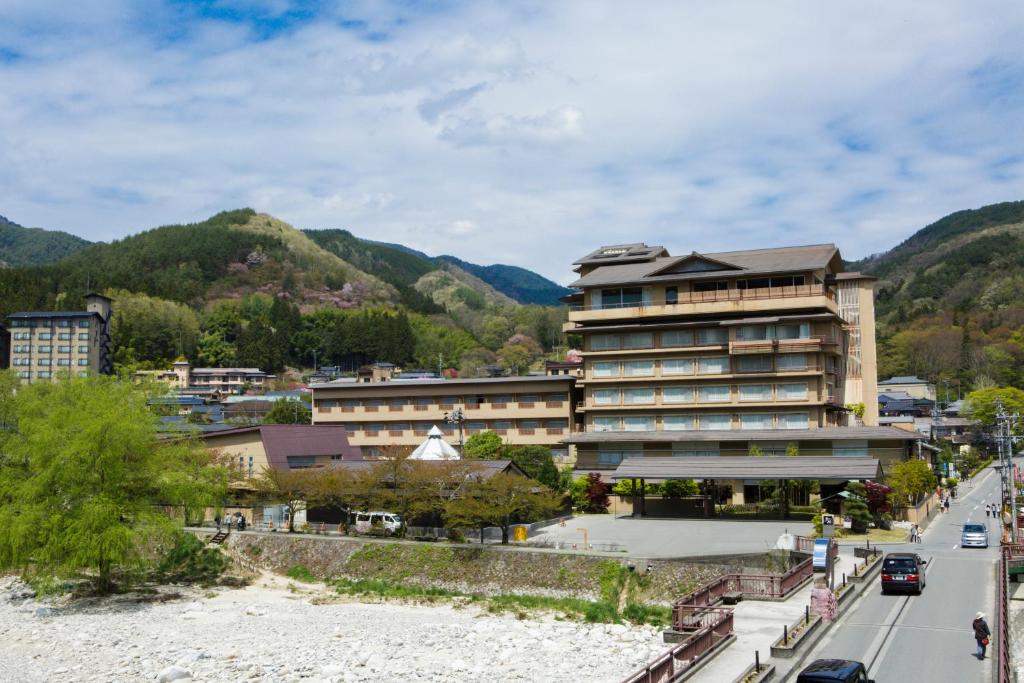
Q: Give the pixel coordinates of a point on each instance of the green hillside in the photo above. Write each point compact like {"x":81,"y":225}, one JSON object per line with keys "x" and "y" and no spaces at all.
{"x":950,"y":299}
{"x":21,"y":246}
{"x":521,"y":284}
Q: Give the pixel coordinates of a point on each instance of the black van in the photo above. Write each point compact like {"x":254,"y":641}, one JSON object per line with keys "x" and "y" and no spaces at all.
{"x":834,"y":671}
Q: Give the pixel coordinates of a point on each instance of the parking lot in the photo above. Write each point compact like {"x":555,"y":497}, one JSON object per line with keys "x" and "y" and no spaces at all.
{"x":668,"y":537}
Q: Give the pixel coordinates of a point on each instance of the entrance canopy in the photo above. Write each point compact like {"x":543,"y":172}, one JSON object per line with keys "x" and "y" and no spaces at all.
{"x":799,"y":467}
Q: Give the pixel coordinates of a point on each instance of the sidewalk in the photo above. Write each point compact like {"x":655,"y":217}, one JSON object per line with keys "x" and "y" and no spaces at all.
{"x":758,"y":624}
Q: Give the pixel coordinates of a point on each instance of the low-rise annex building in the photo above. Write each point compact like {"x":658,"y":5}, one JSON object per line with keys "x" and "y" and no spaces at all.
{"x":249,"y":450}
{"x":530,"y":410}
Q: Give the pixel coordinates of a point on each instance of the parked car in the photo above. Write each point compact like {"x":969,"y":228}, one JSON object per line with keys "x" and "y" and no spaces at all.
{"x":388,"y":522}
{"x":903,"y":572}
{"x":974,"y":536}
{"x":833,"y":671}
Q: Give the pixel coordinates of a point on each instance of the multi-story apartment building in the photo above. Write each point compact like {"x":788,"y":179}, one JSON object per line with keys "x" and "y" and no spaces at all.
{"x":47,"y":344}
{"x":209,"y":381}
{"x":532,"y":410}
{"x":684,"y":354}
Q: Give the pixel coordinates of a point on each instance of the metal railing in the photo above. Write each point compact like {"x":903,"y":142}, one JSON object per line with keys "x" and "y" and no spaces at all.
{"x":685,"y":298}
{"x":714,"y":626}
{"x":1008,"y":554}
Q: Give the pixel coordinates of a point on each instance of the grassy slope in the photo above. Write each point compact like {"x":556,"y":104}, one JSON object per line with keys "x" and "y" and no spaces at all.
{"x":21,"y":246}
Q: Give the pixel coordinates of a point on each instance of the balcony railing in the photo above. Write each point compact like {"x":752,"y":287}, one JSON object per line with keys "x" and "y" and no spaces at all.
{"x":687,"y":298}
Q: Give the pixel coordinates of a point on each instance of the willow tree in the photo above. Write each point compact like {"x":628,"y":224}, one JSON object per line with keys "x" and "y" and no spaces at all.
{"x":86,"y":486}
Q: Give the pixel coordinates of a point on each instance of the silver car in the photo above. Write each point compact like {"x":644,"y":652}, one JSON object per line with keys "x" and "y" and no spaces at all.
{"x":974,"y":536}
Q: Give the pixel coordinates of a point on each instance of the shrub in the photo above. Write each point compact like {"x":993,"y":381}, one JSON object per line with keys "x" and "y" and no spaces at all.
{"x":301,"y":573}
{"x":191,"y":561}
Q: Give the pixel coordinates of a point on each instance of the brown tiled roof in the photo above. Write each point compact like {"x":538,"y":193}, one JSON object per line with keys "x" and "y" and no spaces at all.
{"x":750,"y":262}
{"x":283,"y":441}
{"x":802,"y":467}
{"x":488,"y":468}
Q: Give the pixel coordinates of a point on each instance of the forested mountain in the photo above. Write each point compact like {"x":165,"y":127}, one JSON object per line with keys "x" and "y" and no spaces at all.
{"x":403,"y":267}
{"x":950,"y":299}
{"x":21,"y":246}
{"x":243,"y":288}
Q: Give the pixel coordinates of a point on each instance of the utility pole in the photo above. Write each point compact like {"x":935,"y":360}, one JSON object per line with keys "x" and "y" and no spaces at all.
{"x":1005,"y":425}
{"x":457,"y":417}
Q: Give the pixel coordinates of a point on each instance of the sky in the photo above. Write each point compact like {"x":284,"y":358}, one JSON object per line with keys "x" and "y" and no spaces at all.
{"x":526,"y":133}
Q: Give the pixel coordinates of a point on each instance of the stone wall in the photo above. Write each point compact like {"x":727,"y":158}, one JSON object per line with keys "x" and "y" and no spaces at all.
{"x":471,"y":569}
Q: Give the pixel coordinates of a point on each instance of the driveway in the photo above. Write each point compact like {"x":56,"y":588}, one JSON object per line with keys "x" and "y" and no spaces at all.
{"x":662,"y":538}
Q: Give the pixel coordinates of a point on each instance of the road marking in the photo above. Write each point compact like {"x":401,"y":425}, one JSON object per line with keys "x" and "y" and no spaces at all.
{"x":886,"y":641}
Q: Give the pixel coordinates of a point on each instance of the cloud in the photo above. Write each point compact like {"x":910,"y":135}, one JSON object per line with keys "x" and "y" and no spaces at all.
{"x":524,"y":133}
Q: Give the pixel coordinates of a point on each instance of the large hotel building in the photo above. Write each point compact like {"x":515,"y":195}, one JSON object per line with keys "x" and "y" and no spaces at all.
{"x":48,"y":344}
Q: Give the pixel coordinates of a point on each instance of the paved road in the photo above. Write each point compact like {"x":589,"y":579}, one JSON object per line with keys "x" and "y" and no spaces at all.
{"x":928,"y":637}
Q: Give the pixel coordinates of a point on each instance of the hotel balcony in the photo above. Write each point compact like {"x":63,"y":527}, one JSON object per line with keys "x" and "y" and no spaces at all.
{"x":719,"y":302}
{"x":808,"y":345}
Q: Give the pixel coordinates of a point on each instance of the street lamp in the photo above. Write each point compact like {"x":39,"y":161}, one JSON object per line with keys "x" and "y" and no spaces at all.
{"x":457,"y":418}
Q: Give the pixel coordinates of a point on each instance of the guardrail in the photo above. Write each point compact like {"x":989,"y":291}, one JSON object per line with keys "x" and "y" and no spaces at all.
{"x":712,"y":626}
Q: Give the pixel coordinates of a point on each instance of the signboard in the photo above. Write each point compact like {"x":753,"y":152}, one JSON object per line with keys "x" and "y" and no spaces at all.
{"x":519,"y":533}
{"x":820,"y":557}
{"x":828,"y":525}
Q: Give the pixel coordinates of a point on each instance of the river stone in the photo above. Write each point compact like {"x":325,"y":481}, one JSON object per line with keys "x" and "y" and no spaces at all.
{"x":173,"y":673}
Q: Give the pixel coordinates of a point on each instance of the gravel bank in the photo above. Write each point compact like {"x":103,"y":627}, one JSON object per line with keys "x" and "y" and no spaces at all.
{"x":266,"y":632}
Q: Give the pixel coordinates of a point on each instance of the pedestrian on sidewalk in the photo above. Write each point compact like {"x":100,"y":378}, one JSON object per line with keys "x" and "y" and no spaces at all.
{"x":981,"y":633}
{"x":988,"y":510}
{"x":913,"y":533}
{"x":945,"y":506}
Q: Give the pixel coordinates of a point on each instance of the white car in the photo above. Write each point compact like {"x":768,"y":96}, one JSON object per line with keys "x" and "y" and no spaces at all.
{"x":365,"y":521}
{"x":974,"y":536}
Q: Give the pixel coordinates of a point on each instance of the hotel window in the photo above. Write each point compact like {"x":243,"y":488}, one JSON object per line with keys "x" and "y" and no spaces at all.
{"x":624,"y":297}
{"x":556,"y":398}
{"x":375,"y":402}
{"x":23,"y":335}
{"x":528,"y":398}
{"x":713,"y":286}
{"x":83,"y":361}
{"x":713,"y":335}
{"x":424,"y":400}
{"x":677,"y":338}
{"x":752,"y":333}
{"x":63,"y":323}
{"x":501,"y":424}
{"x":83,"y":323}
{"x":64,"y":336}
{"x":23,"y":361}
{"x":716,"y":365}
{"x":755,"y":392}
{"x":529,"y":424}
{"x":83,"y":374}
{"x":604,"y":342}
{"x":63,"y":349}
{"x":759,"y":363}
{"x":83,"y":349}
{"x":502,"y":399}
{"x":638,"y":368}
{"x":715,"y":422}
{"x":793,"y":421}
{"x":64,"y":361}
{"x":606,"y":424}
{"x":606,"y":397}
{"x":559,"y":453}
{"x":793,"y":331}
{"x":677,"y":366}
{"x":690,"y":449}
{"x":556,"y":424}
{"x":677,"y":395}
{"x":791,"y":361}
{"x":793,"y":392}
{"x":24,"y":374}
{"x":638,"y":423}
{"x":610,"y":454}
{"x":44,"y":361}
{"x":83,"y":336}
{"x":638,"y":396}
{"x":605,"y":369}
{"x":678,"y":423}
{"x":851,"y":448}
{"x":638,"y":340}
{"x":671,"y":295}
{"x":399,"y":426}
{"x":46,"y":336}
{"x":45,"y":349}
{"x":44,"y":374}
{"x":717,"y":393}
{"x":398,"y":402}
{"x":756,"y":421}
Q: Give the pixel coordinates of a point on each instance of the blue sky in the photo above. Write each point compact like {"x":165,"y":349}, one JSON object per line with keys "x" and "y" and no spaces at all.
{"x":524,"y":133}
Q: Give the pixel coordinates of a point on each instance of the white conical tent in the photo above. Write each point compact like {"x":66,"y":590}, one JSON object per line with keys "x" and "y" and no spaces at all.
{"x":434,"y":448}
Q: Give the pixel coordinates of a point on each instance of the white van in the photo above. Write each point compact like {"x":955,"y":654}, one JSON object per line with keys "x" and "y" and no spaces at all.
{"x":389,"y":521}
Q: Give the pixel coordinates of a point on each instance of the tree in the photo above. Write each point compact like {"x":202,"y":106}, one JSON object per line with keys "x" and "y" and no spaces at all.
{"x":515,"y":358}
{"x":295,"y":489}
{"x":474,"y":361}
{"x":595,"y":493}
{"x":910,"y":481}
{"x":483,"y":446}
{"x":980,"y":405}
{"x":288,"y":412}
{"x":536,"y":461}
{"x":501,"y":500}
{"x":679,"y":488}
{"x":857,"y":508}
{"x":83,"y":480}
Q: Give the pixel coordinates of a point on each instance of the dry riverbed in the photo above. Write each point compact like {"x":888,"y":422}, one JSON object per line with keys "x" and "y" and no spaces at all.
{"x":274,"y":630}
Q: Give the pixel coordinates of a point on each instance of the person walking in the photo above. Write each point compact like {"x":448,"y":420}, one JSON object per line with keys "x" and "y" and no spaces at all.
{"x":945,"y":506}
{"x":913,"y":533}
{"x":981,"y":633}
{"x":988,"y":510}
